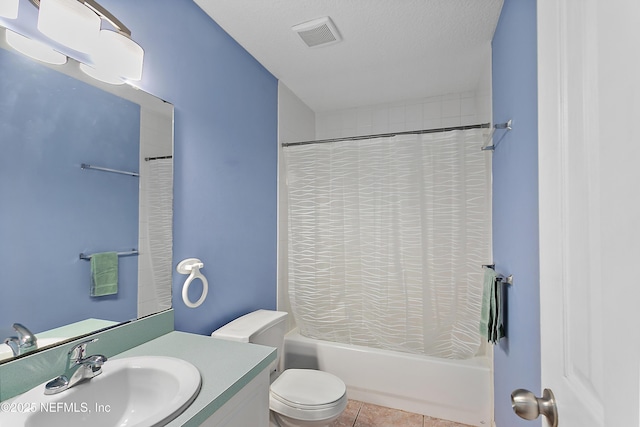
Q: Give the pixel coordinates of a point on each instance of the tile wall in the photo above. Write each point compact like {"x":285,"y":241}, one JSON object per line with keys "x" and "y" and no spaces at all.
{"x":455,"y":109}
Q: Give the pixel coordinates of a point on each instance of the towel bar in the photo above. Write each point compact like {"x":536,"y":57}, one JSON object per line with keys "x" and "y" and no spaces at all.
{"x":501,"y":278}
{"x":87,"y":257}
{"x":100,"y":168}
{"x":508,"y":280}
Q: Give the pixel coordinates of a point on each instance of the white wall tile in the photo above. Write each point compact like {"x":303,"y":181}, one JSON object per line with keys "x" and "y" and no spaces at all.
{"x":396,"y":127}
{"x":321,"y":126}
{"x":334,"y":124}
{"x":349,"y":118}
{"x":413,"y":113}
{"x":470,"y":120}
{"x":365,"y":117}
{"x":296,"y":121}
{"x":451,"y":121}
{"x":432,"y":123}
{"x":450,"y":97}
{"x":380,"y":120}
{"x":468,"y":94}
{"x":364,"y":121}
{"x":431,"y":110}
{"x":451,"y":107}
{"x":396,"y":114}
{"x":468,"y":106}
{"x":349,"y":122}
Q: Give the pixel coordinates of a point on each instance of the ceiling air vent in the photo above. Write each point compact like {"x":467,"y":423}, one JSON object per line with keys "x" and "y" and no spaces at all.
{"x":318,"y":32}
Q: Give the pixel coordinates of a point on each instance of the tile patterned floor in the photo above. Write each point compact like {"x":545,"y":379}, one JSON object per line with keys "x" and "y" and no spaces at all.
{"x":359,"y":414}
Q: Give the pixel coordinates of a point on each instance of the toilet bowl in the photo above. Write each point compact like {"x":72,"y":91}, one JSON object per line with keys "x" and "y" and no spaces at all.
{"x":306,"y":397}
{"x":297,"y":397}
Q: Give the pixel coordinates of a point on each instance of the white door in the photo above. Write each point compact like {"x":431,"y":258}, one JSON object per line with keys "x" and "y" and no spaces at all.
{"x":589,"y":186}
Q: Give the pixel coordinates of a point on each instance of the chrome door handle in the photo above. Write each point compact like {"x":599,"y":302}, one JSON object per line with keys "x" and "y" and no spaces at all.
{"x":526,"y":405}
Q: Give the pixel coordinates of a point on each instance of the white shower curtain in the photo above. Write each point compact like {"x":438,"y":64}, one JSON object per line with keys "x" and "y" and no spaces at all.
{"x":386,"y":239}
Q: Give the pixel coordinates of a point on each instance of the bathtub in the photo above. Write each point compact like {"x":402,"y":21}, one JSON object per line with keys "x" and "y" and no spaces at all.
{"x":456,"y":390}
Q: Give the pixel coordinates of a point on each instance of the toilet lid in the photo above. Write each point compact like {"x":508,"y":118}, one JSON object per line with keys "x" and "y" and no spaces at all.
{"x":307,"y":388}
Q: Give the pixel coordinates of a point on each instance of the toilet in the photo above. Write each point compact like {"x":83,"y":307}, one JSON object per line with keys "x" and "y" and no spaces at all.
{"x":297,"y":397}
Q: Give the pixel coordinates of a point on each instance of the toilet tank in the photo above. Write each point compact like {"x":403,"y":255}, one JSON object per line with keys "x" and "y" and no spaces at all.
{"x":266,"y":327}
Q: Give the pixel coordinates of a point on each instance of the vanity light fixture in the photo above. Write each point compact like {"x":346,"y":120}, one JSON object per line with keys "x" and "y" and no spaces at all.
{"x":116,"y":53}
{"x":77,"y":25}
{"x":9,"y":8}
{"x":34,"y":49}
{"x":70,"y":23}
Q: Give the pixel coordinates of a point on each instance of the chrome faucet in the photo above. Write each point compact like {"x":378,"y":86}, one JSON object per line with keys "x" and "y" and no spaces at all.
{"x":24,"y":342}
{"x":79,"y":368}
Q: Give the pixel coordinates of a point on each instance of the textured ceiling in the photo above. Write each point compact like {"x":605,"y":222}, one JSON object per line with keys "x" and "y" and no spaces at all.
{"x":391,"y":49}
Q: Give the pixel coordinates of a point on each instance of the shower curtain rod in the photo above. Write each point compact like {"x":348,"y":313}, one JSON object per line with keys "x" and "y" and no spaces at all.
{"x":386,"y":135}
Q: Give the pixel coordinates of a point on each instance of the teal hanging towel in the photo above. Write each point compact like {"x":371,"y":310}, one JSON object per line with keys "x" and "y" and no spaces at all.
{"x":491,"y":314}
{"x":104,"y":274}
{"x":488,"y":287}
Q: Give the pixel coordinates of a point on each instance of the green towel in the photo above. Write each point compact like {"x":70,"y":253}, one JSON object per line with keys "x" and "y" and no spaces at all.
{"x":497,"y":331}
{"x":104,"y":274}
{"x":487,"y":292}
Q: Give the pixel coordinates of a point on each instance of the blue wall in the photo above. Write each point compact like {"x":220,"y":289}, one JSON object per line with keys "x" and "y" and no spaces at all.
{"x":225,"y":176}
{"x":225,"y":133}
{"x":52,"y":209}
{"x":225,"y":186}
{"x":515,"y":204}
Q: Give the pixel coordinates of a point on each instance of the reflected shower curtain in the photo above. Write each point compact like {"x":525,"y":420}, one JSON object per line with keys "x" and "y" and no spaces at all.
{"x":159,"y":229}
{"x":386,"y":238}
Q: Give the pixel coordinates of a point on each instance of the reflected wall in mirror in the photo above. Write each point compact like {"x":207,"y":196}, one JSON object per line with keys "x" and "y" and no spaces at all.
{"x":52,"y":121}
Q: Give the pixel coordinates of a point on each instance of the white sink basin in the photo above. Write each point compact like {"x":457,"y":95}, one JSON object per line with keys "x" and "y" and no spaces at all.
{"x":136,"y":391}
{"x":6,"y":353}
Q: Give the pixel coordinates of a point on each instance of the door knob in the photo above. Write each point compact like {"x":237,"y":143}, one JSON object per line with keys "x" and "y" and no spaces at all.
{"x":526,"y":405}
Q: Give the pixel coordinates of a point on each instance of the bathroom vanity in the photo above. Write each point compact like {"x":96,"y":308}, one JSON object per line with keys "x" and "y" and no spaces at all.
{"x":234,"y":376}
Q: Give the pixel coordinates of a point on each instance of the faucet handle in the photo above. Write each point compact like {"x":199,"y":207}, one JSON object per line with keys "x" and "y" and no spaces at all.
{"x":26,"y":337}
{"x":76,"y":354}
{"x":12,"y":342}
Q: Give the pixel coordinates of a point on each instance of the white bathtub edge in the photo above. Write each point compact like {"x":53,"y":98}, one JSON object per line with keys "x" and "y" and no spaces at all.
{"x":456,"y":390}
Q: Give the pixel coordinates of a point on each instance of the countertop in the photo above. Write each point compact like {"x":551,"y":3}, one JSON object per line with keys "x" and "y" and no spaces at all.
{"x":225,"y":367}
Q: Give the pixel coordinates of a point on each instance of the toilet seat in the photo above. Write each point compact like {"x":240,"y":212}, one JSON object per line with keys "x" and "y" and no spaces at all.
{"x":307,"y":395}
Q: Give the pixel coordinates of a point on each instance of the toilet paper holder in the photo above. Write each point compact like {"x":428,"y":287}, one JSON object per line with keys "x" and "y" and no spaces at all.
{"x":192,"y":266}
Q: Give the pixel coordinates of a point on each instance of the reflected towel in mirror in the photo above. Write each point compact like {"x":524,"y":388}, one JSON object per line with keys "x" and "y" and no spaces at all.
{"x":104,"y":274}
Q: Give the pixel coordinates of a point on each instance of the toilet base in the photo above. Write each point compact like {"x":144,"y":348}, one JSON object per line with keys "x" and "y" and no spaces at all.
{"x":277,"y":420}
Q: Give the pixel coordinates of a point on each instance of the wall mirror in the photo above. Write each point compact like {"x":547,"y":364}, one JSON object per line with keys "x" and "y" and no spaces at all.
{"x":86,"y":168}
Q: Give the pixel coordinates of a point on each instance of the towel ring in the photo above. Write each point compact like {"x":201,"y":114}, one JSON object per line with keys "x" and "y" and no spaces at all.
{"x":192,"y":266}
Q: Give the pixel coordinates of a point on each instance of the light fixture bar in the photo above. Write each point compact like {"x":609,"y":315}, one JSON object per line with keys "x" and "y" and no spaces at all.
{"x":100,"y":10}
{"x":105,"y":14}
